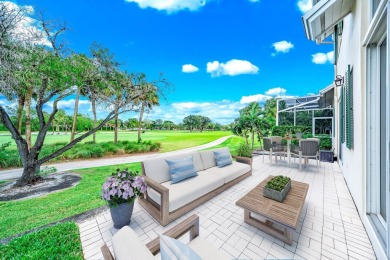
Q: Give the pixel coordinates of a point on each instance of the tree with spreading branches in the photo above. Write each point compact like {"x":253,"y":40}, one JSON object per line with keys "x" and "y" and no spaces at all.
{"x":48,"y":78}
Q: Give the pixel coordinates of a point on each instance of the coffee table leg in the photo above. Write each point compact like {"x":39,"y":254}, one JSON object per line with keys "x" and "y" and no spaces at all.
{"x":284,"y":234}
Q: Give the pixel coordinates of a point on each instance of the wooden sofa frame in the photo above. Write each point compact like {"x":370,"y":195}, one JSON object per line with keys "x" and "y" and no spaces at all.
{"x":191,"y":225}
{"x":162,"y":214}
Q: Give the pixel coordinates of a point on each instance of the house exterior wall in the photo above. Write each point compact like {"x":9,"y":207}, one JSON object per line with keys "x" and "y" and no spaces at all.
{"x":353,"y":162}
{"x":351,"y":53}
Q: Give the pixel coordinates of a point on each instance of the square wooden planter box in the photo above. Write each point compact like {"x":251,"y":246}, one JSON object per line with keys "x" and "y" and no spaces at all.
{"x":277,"y":195}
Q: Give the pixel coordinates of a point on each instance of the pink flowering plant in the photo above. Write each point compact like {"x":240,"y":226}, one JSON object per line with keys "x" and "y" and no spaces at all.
{"x":123,"y":186}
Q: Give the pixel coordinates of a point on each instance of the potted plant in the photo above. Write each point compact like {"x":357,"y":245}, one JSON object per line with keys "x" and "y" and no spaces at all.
{"x":244,"y":154}
{"x":120,"y":191}
{"x":298,"y":132}
{"x":277,"y":188}
{"x":326,"y":151}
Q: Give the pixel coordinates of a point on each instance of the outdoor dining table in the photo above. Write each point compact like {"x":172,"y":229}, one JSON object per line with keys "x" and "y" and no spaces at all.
{"x":289,"y":139}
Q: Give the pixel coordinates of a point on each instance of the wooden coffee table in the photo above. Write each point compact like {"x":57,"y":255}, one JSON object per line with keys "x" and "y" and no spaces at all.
{"x":285,"y":213}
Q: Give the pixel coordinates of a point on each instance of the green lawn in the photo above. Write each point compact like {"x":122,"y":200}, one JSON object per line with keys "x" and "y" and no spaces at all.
{"x":20,"y":216}
{"x":61,"y":241}
{"x":170,"y":140}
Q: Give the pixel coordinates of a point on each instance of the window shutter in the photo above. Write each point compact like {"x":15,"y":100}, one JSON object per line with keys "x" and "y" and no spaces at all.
{"x":342,"y":132}
{"x":349,"y":108}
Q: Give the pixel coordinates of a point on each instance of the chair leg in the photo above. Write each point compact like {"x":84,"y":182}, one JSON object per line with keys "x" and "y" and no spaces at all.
{"x":300,"y":161}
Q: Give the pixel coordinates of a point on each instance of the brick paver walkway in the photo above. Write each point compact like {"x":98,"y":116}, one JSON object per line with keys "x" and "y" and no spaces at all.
{"x":330,"y":227}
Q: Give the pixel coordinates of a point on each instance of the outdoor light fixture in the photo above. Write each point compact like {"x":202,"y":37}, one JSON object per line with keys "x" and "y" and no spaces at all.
{"x":339,"y":80}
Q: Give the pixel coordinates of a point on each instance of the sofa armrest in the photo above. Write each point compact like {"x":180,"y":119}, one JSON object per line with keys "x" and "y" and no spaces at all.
{"x":164,"y":194}
{"x":191,"y":225}
{"x":155,"y":185}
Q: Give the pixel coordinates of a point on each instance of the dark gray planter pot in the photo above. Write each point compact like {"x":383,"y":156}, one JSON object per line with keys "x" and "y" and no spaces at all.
{"x":326,"y":156}
{"x":277,"y":195}
{"x":299,"y":135}
{"x":121,"y":215}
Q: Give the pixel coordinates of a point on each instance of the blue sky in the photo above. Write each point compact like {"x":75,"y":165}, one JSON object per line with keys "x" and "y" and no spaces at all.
{"x":219,"y":54}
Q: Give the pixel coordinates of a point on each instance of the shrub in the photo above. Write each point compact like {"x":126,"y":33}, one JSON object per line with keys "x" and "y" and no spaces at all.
{"x":10,"y":157}
{"x":278,"y":183}
{"x":326,"y":143}
{"x":244,"y":150}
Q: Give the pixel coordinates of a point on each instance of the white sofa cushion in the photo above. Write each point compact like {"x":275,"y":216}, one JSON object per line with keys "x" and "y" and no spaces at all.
{"x":207,"y":251}
{"x":230,"y":172}
{"x":171,"y":249}
{"x":188,"y":190}
{"x":208,"y":158}
{"x":158,"y":170}
{"x":127,"y":245}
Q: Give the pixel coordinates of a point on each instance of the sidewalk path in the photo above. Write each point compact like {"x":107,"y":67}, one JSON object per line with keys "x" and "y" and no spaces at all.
{"x":16,"y":173}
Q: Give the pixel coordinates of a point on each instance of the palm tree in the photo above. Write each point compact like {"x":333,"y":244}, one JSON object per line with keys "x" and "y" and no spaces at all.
{"x":252,"y":118}
{"x":148,"y":98}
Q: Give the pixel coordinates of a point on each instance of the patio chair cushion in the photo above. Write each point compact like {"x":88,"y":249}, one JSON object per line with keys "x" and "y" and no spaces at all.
{"x":126,"y":243}
{"x":230,"y":172}
{"x":181,"y":169}
{"x":206,"y":251}
{"x":222,"y":158}
{"x":171,"y":249}
{"x":208,"y":158}
{"x":186,"y":191}
{"x":158,"y":169}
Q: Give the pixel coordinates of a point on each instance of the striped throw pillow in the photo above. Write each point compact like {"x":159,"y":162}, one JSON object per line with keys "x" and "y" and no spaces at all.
{"x":223,"y":158}
{"x":181,"y":169}
{"x":171,"y":249}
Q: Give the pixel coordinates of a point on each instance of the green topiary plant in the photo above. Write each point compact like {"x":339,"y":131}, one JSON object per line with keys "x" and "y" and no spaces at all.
{"x":244,"y":150}
{"x":278,"y":183}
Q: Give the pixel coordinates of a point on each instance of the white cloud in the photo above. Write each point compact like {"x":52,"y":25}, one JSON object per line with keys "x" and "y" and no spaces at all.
{"x":330,"y":56}
{"x":26,"y":28}
{"x":189,"y":68}
{"x":232,"y":68}
{"x":283,"y":46}
{"x":276,"y":91}
{"x":170,"y":6}
{"x":254,"y":1}
{"x":304,"y":5}
{"x":254,"y":98}
{"x":323,"y":58}
{"x":69,"y":104}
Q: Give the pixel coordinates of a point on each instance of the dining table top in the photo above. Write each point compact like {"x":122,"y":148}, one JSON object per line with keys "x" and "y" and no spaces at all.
{"x":290,"y":138}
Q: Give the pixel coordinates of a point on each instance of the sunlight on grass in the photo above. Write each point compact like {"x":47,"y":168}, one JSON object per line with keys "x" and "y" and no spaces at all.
{"x":61,"y":241}
{"x":170,"y":140}
{"x":23,"y":215}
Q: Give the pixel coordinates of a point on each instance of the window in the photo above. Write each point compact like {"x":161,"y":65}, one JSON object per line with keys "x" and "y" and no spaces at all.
{"x":383,"y":127}
{"x":378,"y":123}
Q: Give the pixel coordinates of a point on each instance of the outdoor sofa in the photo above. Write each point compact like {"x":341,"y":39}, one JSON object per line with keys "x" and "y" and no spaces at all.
{"x":166,"y":201}
{"x":127,"y":245}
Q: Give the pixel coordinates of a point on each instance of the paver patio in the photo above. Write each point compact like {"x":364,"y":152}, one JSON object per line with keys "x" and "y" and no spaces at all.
{"x":329,"y":226}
